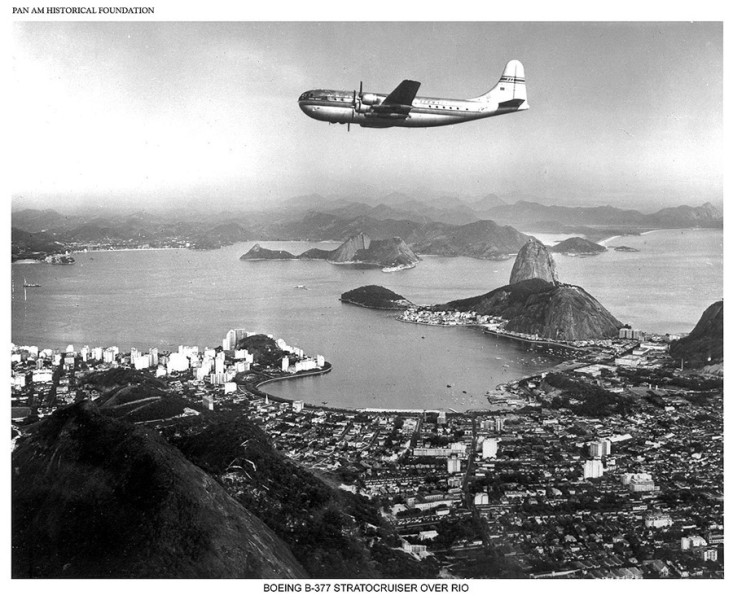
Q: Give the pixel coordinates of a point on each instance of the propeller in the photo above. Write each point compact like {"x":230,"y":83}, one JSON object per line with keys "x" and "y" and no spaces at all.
{"x":353,"y":104}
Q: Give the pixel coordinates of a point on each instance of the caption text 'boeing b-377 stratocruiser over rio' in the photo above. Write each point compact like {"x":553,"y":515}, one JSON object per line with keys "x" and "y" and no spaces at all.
{"x":402,"y":108}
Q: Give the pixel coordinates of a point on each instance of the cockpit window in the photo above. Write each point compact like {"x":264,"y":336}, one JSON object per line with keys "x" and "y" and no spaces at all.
{"x":314,"y":95}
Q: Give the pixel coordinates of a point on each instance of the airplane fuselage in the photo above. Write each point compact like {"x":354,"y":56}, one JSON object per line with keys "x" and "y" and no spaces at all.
{"x":404,"y":108}
{"x":336,"y":106}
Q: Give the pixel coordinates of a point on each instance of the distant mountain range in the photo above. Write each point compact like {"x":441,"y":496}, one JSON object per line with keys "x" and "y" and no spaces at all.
{"x":484,"y":228}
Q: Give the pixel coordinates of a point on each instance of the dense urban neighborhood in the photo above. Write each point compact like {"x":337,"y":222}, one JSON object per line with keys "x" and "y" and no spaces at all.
{"x":609,"y":465}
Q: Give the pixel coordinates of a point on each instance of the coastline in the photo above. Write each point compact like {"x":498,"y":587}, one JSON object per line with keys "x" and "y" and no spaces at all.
{"x":605,"y":242}
{"x":647,"y":232}
{"x":501,"y":334}
{"x":360,"y":305}
{"x":519,"y":338}
{"x":129,"y":249}
{"x":255,"y":387}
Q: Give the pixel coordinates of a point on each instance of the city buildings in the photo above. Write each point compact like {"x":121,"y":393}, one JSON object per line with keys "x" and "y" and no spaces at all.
{"x":557,"y":485}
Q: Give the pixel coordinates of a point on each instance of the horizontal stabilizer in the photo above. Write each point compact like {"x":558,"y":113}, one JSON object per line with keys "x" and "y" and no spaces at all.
{"x":514,"y":103}
{"x":403,"y":94}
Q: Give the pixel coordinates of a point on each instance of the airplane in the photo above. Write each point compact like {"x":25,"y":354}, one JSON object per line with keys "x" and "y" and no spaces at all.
{"x":403,"y":108}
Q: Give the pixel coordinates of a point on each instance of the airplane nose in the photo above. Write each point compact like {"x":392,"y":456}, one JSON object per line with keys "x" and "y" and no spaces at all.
{"x":306,"y":108}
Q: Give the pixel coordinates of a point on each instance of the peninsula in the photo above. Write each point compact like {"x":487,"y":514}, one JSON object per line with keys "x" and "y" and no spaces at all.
{"x":535,"y":303}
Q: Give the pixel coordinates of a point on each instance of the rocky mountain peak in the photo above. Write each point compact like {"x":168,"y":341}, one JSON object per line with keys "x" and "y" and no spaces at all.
{"x":346,"y":251}
{"x":534,"y":261}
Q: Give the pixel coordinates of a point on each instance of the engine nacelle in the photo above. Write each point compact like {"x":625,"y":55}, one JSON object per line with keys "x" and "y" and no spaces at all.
{"x":370,"y":99}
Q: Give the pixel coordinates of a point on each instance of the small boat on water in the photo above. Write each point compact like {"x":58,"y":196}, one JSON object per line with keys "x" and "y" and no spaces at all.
{"x":27,"y":285}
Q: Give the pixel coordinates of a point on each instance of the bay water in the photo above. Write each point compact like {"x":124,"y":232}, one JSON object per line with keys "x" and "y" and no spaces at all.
{"x":163,"y":298}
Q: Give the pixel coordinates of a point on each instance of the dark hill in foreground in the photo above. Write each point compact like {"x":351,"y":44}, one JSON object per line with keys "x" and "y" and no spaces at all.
{"x":534,"y":306}
{"x":332,"y":533}
{"x":704,"y":345}
{"x":95,"y":497}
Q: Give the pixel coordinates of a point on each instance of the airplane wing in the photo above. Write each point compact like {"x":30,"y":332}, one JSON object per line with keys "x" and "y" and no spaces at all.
{"x":403,"y":94}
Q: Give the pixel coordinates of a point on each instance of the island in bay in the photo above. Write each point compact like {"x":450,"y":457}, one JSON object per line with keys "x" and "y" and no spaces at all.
{"x":390,"y":254}
{"x":578,"y":246}
{"x":376,"y":296}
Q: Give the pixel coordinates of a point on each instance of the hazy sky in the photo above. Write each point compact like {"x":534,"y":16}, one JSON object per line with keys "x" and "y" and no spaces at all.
{"x":621,"y":113}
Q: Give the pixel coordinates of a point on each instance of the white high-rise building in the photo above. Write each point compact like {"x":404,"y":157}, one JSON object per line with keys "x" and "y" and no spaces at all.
{"x":595,"y":449}
{"x":454,"y":464}
{"x":110,"y":354}
{"x":177,"y":362}
{"x":230,"y":340}
{"x":489,"y":448}
{"x":592,"y":469}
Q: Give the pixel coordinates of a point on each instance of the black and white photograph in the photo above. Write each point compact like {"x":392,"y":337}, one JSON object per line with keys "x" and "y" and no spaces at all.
{"x":364,"y":306}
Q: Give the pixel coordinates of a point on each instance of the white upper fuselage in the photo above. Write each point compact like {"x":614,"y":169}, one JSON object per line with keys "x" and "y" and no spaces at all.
{"x":337,"y":106}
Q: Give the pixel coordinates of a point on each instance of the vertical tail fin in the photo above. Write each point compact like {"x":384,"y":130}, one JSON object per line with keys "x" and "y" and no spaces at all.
{"x":511,"y":91}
